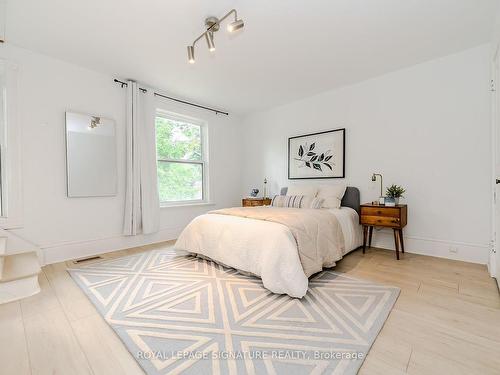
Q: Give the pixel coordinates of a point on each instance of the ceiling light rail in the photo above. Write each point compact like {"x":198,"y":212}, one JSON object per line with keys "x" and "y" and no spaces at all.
{"x":217,"y":111}
{"x":213,"y":25}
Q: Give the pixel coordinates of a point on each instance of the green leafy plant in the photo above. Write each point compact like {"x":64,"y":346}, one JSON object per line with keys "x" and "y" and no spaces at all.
{"x":395,"y":191}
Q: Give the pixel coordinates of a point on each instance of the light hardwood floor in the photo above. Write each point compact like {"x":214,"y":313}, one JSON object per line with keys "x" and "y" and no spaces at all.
{"x":446,"y":321}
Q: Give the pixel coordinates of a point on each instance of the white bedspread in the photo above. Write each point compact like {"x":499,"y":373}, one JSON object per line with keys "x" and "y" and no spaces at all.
{"x":263,"y":248}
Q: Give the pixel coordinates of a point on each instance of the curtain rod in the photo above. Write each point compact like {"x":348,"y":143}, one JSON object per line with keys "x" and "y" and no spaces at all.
{"x":125,"y":84}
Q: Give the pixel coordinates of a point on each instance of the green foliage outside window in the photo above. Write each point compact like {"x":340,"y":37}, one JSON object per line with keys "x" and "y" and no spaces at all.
{"x":177,"y":140}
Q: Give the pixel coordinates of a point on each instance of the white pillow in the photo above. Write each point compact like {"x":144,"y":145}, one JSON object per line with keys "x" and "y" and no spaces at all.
{"x":278,"y":201}
{"x":314,"y":203}
{"x":296,"y":201}
{"x":309,"y":190}
{"x":331,"y":195}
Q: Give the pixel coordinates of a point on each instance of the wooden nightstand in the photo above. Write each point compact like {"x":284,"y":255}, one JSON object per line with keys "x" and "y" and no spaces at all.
{"x":384,"y":216}
{"x":252,"y":202}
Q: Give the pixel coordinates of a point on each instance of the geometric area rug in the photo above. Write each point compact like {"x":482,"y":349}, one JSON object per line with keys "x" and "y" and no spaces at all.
{"x":182,"y":314}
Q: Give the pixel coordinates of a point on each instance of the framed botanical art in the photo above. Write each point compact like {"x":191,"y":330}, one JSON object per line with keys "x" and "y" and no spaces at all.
{"x":317,"y":155}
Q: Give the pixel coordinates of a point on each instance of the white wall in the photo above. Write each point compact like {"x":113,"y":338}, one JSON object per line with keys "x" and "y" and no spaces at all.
{"x":425,"y":127}
{"x":68,"y":227}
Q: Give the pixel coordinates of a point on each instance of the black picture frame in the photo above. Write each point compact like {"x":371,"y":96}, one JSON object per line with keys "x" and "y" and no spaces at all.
{"x":319,"y":134}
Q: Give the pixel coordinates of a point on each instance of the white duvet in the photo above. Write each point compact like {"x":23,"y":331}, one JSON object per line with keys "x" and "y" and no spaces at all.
{"x":263,"y":248}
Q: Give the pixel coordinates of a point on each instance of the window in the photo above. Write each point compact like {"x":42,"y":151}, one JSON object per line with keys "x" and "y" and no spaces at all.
{"x":181,"y":160}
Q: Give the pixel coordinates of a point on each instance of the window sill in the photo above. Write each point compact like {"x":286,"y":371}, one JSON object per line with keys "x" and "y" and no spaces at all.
{"x":180,"y":204}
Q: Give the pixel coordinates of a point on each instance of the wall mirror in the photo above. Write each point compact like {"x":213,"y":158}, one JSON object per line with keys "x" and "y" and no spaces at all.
{"x":90,"y":156}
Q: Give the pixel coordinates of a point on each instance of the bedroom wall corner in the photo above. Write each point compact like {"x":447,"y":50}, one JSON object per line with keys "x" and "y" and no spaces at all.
{"x":426,"y":127}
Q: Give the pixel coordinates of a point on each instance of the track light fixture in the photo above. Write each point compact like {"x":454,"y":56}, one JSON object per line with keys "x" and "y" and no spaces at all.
{"x":94,"y":122}
{"x":210,"y":41}
{"x":236,"y":25}
{"x":191,"y":54}
{"x":213,"y":25}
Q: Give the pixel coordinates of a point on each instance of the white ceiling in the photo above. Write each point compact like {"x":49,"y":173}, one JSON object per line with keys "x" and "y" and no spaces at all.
{"x":289,"y":49}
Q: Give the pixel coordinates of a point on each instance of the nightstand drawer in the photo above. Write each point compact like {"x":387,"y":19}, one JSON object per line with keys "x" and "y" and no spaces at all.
{"x":251,"y":202}
{"x":394,"y":217}
{"x":380,"y":211}
{"x":246,"y":202}
{"x":380,"y":221}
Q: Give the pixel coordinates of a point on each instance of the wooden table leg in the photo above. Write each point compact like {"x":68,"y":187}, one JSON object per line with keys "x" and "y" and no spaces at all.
{"x":401,"y":240}
{"x":396,"y":241}
{"x":365,"y":233}
{"x":370,"y":233}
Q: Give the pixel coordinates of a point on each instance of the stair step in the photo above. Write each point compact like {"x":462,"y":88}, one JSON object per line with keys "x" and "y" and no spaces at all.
{"x":19,"y":266}
{"x":18,"y":289}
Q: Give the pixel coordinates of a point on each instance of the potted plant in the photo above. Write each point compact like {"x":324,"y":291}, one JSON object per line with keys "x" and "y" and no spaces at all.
{"x":393,"y":193}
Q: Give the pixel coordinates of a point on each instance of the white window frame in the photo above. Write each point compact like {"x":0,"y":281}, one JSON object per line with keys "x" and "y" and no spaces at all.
{"x":203,"y":162}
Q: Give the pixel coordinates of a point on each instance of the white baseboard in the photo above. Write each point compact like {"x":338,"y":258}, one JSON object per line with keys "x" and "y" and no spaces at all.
{"x":467,"y":252}
{"x":61,"y":252}
{"x":492,"y":265}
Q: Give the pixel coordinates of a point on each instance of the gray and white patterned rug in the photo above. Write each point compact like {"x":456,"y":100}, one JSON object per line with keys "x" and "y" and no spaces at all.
{"x":180,"y":314}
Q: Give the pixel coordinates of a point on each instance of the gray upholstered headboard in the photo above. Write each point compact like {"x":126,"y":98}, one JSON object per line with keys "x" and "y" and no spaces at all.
{"x":351,"y":197}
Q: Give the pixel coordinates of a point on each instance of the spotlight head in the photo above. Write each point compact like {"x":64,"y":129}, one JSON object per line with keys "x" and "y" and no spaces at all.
{"x":95,"y":122}
{"x":190,"y":54}
{"x":235,"y":25}
{"x":209,"y":36}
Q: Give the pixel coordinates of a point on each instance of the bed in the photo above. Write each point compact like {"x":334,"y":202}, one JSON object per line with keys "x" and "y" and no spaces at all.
{"x":244,"y":239}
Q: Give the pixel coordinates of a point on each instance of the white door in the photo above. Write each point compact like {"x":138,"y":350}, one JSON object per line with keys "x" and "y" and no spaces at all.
{"x":495,"y":255}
